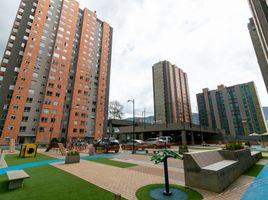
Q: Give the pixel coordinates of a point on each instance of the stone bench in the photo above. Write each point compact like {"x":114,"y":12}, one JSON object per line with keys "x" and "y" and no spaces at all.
{"x":208,"y":170}
{"x":16,"y":178}
{"x":216,"y":170}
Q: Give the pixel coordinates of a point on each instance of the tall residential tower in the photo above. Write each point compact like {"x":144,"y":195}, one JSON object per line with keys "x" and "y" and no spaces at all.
{"x":171,"y":94}
{"x":236,"y":109}
{"x":258,"y":29}
{"x":55,"y":73}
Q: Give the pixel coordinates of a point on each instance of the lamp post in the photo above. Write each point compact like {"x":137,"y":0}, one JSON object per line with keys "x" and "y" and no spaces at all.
{"x":133,"y":124}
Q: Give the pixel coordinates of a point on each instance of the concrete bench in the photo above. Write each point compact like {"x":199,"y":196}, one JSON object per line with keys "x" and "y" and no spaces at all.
{"x":16,"y":178}
{"x":208,"y":170}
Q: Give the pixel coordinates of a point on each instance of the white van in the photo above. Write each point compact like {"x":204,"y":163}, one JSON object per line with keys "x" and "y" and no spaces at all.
{"x":166,"y":139}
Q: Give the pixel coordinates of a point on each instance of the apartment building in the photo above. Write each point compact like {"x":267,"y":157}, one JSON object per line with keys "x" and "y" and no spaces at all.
{"x":55,"y":73}
{"x":236,"y":109}
{"x":171,"y":94}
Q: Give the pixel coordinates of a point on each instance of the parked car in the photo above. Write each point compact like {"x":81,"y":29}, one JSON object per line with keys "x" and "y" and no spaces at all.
{"x":167,"y":139}
{"x":106,"y":145}
{"x":138,"y":144}
{"x":156,"y":143}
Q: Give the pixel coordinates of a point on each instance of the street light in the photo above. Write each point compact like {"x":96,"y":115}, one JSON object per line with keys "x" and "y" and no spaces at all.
{"x":133,"y":130}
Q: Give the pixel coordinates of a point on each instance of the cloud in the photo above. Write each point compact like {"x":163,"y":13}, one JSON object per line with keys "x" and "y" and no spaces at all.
{"x":208,"y":39}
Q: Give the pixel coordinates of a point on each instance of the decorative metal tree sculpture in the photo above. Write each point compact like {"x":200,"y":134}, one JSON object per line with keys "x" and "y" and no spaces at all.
{"x":162,"y":157}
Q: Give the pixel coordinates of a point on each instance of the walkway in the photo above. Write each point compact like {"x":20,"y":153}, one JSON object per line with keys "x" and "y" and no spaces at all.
{"x":125,"y":181}
{"x":34,"y":164}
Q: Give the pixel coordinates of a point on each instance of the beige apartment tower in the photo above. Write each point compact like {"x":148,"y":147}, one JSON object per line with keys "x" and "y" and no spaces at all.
{"x":171,"y":94}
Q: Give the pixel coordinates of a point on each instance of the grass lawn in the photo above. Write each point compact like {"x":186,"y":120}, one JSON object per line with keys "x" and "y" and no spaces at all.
{"x":143,"y":193}
{"x":108,"y":161}
{"x":254,"y":170}
{"x":49,"y":183}
{"x":203,"y":148}
{"x":14,"y":159}
{"x":265,"y":157}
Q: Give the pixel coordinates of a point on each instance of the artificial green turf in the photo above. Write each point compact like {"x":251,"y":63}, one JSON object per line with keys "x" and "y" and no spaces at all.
{"x":254,"y":170}
{"x":50,"y":183}
{"x":203,"y":148}
{"x":108,"y":161}
{"x":14,"y":159}
{"x":143,"y":193}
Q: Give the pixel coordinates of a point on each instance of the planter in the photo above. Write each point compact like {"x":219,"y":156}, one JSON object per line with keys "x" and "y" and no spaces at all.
{"x":72,"y":159}
{"x":243,"y":156}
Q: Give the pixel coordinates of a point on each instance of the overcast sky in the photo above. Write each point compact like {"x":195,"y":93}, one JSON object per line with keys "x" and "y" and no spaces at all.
{"x":208,"y":39}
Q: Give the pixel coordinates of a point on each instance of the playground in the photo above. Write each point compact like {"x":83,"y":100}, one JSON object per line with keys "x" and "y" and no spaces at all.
{"x":102,"y":176}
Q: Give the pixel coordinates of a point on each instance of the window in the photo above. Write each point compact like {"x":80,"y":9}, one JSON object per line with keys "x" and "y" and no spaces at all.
{"x":27,"y":109}
{"x":25,"y":118}
{"x":2,"y":69}
{"x":11,"y":87}
{"x":29,"y":100}
{"x":46,"y":111}
{"x":22,"y":128}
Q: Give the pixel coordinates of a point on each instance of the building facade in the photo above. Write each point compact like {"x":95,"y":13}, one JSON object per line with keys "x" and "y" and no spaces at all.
{"x":171,"y":94}
{"x":55,"y":73}
{"x":235,"y":109}
{"x":258,"y":29}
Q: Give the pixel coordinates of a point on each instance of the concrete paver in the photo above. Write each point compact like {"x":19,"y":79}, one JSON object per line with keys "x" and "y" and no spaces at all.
{"x":127,"y":181}
{"x":117,"y":180}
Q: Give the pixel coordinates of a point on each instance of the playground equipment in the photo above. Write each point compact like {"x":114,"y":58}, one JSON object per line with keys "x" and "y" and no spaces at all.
{"x":28,"y":150}
{"x":162,"y":157}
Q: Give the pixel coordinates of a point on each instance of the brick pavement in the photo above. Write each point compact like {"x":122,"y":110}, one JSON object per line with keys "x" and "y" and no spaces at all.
{"x":117,"y":180}
{"x":126,"y":181}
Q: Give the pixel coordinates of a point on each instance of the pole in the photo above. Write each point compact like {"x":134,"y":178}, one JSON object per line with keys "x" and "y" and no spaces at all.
{"x":166,"y":192}
{"x":133,"y":125}
{"x":133,"y":133}
{"x":144,"y":112}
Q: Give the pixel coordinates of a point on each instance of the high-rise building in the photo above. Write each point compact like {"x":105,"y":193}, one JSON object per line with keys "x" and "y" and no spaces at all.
{"x":171,"y":94}
{"x":55,"y":73}
{"x":258,"y":29}
{"x":236,"y":109}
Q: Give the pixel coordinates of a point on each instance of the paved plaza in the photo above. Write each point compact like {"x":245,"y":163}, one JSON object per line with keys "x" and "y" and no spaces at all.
{"x":127,"y":181}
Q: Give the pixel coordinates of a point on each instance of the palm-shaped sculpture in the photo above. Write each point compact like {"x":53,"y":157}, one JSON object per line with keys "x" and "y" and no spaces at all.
{"x":162,"y":157}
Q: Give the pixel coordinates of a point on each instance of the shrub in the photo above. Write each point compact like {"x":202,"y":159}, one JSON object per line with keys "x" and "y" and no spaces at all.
{"x":248,"y":143}
{"x":234,"y":146}
{"x":73,"y":153}
{"x":183,"y":149}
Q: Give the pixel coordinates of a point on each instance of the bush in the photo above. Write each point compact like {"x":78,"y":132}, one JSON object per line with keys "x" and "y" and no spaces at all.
{"x":234,"y":146}
{"x":248,"y":143}
{"x":73,"y":153}
{"x":183,"y":149}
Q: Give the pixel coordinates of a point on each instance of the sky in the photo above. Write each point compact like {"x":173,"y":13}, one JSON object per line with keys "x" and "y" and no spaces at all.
{"x":207,"y":39}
